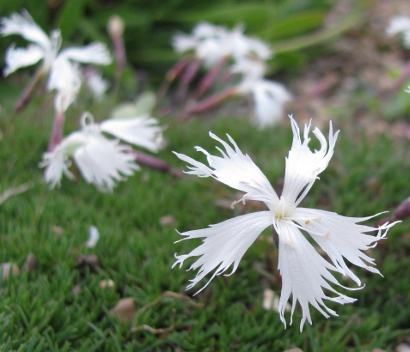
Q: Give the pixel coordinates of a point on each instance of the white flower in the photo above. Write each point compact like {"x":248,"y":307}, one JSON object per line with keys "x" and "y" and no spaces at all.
{"x":208,"y":42}
{"x":45,"y":48}
{"x":269,"y":100}
{"x":102,"y":161}
{"x":247,"y":47}
{"x":269,"y":97}
{"x":142,"y":131}
{"x":211,"y":43}
{"x":400,"y":25}
{"x":305,"y":273}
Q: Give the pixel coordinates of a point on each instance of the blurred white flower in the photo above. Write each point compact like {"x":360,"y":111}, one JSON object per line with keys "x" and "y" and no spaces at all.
{"x":102,"y":161}
{"x":46,"y":48}
{"x":269,"y":97}
{"x":93,"y":237}
{"x":305,"y":273}
{"x":142,"y":131}
{"x":65,"y":79}
{"x":211,"y":43}
{"x":94,"y":81}
{"x":400,"y":25}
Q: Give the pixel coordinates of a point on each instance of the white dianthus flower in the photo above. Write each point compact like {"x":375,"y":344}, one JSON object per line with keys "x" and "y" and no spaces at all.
{"x":305,"y":273}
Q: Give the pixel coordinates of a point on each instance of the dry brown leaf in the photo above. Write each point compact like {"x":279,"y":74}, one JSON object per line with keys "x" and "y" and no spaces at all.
{"x":90,"y":261}
{"x":125,"y":310}
{"x":167,"y":220}
{"x":30,"y":263}
{"x":76,"y":290}
{"x":58,"y":230}
{"x":8,"y":269}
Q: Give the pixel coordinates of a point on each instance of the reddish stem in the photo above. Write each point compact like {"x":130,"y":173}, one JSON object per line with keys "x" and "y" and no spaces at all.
{"x":174,"y":72}
{"x":402,"y":212}
{"x":190,"y":72}
{"x":212,"y":101}
{"x":120,"y":58}
{"x":177,"y":69}
{"x":28,"y":91}
{"x":187,"y":76}
{"x":155,"y":163}
{"x":210,"y":77}
{"x":402,"y":79}
{"x":57,"y":132}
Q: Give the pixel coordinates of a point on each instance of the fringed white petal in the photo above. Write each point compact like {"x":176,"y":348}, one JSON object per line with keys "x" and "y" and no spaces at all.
{"x":94,"y":53}
{"x":142,"y":131}
{"x":58,"y":161}
{"x":269,"y":100}
{"x":341,"y":237}
{"x":224,"y":244}
{"x":22,"y":57}
{"x":25,"y":26}
{"x":304,"y":275}
{"x":197,"y":168}
{"x":304,"y":165}
{"x":102,"y":162}
{"x":56,"y":164}
{"x":236,"y":170}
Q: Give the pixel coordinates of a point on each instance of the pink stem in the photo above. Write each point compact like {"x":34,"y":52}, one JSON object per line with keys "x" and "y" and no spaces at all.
{"x":57,"y":132}
{"x":210,"y":77}
{"x":212,"y":101}
{"x":174,"y":72}
{"x":403,"y":78}
{"x":120,"y":58}
{"x":155,"y":163}
{"x":402,"y":212}
{"x":190,"y":72}
{"x":28,"y":91}
{"x":187,"y":76}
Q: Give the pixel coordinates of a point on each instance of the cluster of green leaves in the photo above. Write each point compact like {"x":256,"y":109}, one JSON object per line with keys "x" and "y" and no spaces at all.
{"x":44,"y":310}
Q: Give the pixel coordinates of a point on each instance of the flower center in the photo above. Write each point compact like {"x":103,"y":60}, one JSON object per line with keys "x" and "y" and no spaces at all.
{"x":281,"y":211}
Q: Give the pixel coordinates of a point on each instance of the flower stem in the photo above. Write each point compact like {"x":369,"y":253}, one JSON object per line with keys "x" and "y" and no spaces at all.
{"x":210,"y":77}
{"x":116,"y":31}
{"x":57,"y":132}
{"x":174,"y":72}
{"x":29,"y":90}
{"x":155,"y":163}
{"x":402,"y":79}
{"x":212,"y":101}
{"x":190,"y":72}
{"x":402,"y":212}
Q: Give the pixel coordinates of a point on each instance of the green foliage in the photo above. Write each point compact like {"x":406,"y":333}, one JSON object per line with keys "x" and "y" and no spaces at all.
{"x":44,"y":311}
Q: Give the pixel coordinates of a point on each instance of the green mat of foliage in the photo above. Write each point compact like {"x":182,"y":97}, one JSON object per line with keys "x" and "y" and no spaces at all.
{"x":59,"y":306}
